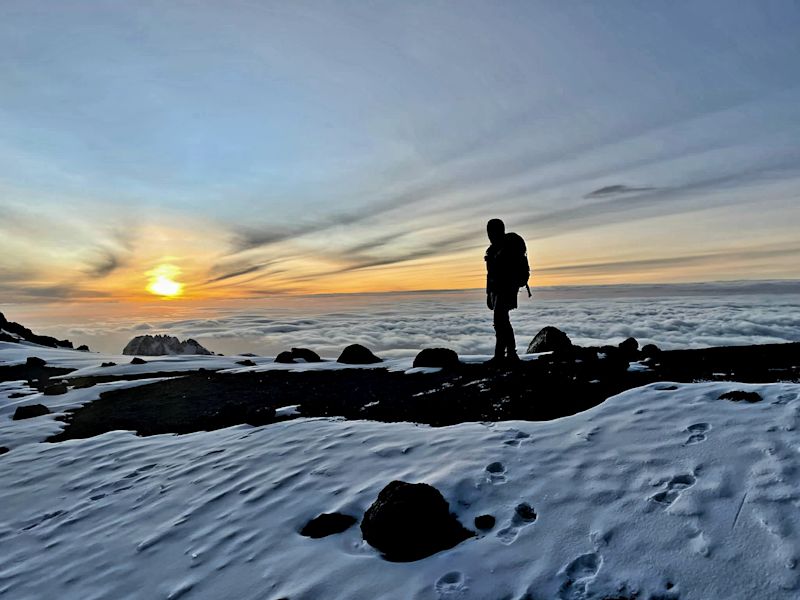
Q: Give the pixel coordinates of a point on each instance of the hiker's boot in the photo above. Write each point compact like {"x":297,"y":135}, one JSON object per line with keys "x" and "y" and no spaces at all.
{"x":513,"y":359}
{"x":495,"y":361}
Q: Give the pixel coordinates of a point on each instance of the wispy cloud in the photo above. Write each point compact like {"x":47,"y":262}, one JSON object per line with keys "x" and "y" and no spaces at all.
{"x":616,"y":190}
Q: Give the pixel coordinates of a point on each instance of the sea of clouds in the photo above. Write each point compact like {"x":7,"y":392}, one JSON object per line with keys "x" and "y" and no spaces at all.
{"x":401,"y":324}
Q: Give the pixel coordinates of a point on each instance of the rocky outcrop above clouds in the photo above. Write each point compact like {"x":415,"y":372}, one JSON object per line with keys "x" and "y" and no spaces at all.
{"x":159,"y":345}
{"x":14,"y":332}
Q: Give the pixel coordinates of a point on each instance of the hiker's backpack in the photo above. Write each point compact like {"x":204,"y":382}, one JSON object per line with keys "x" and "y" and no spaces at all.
{"x":515,"y":255}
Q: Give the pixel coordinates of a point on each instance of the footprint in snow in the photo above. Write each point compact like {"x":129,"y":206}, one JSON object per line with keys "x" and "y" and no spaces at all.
{"x":496,"y":472}
{"x":450,"y":586}
{"x":673,"y":489}
{"x":578,"y":574}
{"x":524,"y":515}
{"x":697,"y":431}
{"x":785,"y":399}
{"x":514,"y":437}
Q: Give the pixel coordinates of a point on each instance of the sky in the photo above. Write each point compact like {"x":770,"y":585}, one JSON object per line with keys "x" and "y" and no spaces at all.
{"x":260,"y":149}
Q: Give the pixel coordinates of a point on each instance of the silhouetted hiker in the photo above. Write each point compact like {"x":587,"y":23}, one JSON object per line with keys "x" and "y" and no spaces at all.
{"x":507,"y":271}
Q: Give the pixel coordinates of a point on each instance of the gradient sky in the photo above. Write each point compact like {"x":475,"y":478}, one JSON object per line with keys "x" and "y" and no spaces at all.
{"x":297,"y":147}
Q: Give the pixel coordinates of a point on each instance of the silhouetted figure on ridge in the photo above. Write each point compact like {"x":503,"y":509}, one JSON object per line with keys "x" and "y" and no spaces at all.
{"x":507,"y":270}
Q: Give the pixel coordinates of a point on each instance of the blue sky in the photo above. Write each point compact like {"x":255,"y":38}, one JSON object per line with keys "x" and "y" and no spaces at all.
{"x":318,"y":146}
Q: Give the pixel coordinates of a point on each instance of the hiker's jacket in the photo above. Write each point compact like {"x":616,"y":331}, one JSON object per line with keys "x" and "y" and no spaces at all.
{"x":500,"y":279}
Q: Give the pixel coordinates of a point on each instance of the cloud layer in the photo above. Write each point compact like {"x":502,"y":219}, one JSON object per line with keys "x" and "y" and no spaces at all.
{"x":401,"y":324}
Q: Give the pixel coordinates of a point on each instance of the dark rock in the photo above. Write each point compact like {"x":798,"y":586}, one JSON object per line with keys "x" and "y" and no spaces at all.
{"x":410,"y":521}
{"x":246,"y":363}
{"x":550,"y":339}
{"x":108,"y":364}
{"x":35,"y":361}
{"x":16,"y":395}
{"x":629,"y":348}
{"x":3,"y":449}
{"x":437,"y":357}
{"x":4,"y":337}
{"x":739,"y":395}
{"x":295,"y":354}
{"x":305,"y":354}
{"x":250,"y":354}
{"x":356,"y":354}
{"x":525,"y":512}
{"x":484,"y":522}
{"x":650,"y":350}
{"x":285,"y":357}
{"x":138,"y":361}
{"x":27,"y":335}
{"x":55,"y":389}
{"x":327,"y":524}
{"x":29,"y":411}
{"x":82,"y":348}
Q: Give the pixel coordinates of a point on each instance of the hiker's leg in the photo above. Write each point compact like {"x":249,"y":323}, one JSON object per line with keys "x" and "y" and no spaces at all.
{"x":503,"y":330}
{"x":511,"y":342}
{"x":499,"y":343}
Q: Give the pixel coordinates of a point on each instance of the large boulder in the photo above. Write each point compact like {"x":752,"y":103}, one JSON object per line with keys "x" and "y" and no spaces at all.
{"x":550,"y":339}
{"x":650,"y":350}
{"x":356,"y":354}
{"x":306,"y":355}
{"x":35,"y":361}
{"x":410,"y":521}
{"x":284,"y":357}
{"x":437,"y":357}
{"x":30,"y":411}
{"x":160,"y":345}
{"x":629,"y":348}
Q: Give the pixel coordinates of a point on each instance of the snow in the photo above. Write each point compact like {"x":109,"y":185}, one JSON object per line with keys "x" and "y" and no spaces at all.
{"x":16,"y":433}
{"x":87,"y":364}
{"x":663,"y":491}
{"x":287,"y":411}
{"x":654,"y":487}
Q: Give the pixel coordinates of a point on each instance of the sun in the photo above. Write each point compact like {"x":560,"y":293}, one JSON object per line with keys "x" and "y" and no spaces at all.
{"x":162,"y":281}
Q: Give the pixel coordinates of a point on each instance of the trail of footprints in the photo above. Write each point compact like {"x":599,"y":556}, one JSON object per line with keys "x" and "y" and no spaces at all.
{"x":577,"y":575}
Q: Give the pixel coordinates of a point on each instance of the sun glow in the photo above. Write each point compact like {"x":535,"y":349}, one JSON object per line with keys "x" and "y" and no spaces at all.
{"x":162,"y":281}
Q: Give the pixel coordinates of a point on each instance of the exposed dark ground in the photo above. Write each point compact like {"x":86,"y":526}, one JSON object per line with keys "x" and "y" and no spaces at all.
{"x":553,"y":386}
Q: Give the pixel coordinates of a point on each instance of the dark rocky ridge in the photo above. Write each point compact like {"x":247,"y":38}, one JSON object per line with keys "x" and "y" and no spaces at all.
{"x":552,"y":386}
{"x":28,"y":335}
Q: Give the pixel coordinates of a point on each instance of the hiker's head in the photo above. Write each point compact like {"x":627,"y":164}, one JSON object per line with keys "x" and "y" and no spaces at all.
{"x":496,"y":230}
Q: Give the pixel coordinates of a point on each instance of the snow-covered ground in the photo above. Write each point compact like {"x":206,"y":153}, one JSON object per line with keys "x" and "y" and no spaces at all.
{"x":88,"y":364}
{"x":658,"y":492}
